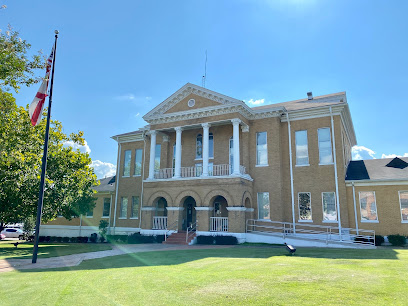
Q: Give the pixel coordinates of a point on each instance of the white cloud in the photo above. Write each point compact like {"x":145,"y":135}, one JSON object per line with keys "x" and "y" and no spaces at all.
{"x":126,"y":97}
{"x":103,"y":169}
{"x":393,"y":155}
{"x":361,"y":152}
{"x":84,"y":149}
{"x":137,"y":115}
{"x":255,"y":102}
{"x":148,"y":98}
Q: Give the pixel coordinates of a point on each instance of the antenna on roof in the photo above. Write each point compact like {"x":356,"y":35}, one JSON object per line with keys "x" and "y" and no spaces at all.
{"x":205,"y":71}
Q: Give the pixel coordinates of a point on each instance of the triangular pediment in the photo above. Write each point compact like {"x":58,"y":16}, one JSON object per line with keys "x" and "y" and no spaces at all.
{"x":190,"y":98}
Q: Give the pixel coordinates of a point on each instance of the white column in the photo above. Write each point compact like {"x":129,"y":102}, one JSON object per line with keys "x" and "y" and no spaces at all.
{"x":152,"y":154}
{"x":177,"y":170}
{"x":206,"y":147}
{"x":235,"y":136}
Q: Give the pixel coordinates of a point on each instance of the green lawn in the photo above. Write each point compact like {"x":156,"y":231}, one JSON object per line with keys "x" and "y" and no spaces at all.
{"x":45,"y":250}
{"x":239,"y":275}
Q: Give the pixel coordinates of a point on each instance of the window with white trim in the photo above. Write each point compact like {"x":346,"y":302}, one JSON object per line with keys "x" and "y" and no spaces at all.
{"x":138,"y":162}
{"x":106,"y":207}
{"x":123,"y":207}
{"x":263,"y":206}
{"x":368,"y":207}
{"x":199,"y":146}
{"x":261,"y":149}
{"x":305,"y":206}
{"x":325,"y":146}
{"x":231,"y":154}
{"x":126,"y":163}
{"x":302,"y":154}
{"x":174,"y":157}
{"x":157,"y":157}
{"x":403,"y":197}
{"x":134,"y":213}
{"x":89,"y":214}
{"x":329,"y":206}
{"x":211,"y":145}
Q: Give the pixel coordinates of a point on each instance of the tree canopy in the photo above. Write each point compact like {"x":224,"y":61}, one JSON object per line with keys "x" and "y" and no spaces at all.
{"x":69,"y":177}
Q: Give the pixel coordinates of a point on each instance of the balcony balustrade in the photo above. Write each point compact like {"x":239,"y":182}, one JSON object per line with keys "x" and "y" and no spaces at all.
{"x":219,"y":224}
{"x":197,"y":171}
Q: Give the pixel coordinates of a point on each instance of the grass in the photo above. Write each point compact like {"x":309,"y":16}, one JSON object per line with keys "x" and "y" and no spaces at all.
{"x":238,"y":275}
{"x":45,"y":250}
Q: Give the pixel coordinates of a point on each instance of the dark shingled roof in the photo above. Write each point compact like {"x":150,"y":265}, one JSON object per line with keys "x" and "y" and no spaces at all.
{"x":107,"y":184}
{"x":378,"y":169}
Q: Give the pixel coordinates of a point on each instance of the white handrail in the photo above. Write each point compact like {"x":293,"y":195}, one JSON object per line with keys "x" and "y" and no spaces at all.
{"x":191,"y":229}
{"x":169,"y":228}
{"x":311,"y":231}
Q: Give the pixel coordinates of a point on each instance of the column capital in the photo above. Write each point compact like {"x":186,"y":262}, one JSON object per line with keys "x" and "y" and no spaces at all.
{"x":236,"y":121}
{"x":206,"y":125}
{"x":166,"y":138}
{"x":178,"y":129}
{"x":152,"y":132}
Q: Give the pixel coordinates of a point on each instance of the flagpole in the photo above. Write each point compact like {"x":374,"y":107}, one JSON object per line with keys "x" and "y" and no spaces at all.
{"x":44,"y":160}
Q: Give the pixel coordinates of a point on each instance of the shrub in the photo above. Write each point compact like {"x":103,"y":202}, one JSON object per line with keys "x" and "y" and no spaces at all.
{"x":53,"y":239}
{"x":117,"y":238}
{"x":102,"y":239}
{"x":158,"y":238}
{"x":41,"y":238}
{"x":226,"y":240}
{"x":363,"y":239}
{"x":396,"y":240}
{"x":379,"y":240}
{"x":65,"y":239}
{"x":82,"y":239}
{"x":47,"y":239}
{"x":73,"y":239}
{"x":93,"y":238}
{"x":59,"y":239}
{"x":205,"y":240}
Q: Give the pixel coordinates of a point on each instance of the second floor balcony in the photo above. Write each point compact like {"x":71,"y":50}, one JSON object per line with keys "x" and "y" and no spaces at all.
{"x":214,"y":171}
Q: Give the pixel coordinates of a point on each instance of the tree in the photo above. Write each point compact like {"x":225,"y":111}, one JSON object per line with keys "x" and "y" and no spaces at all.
{"x":16,"y":68}
{"x":69,"y":179}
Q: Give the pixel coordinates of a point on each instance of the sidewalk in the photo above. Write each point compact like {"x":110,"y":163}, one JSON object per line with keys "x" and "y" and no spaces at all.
{"x":7,"y":265}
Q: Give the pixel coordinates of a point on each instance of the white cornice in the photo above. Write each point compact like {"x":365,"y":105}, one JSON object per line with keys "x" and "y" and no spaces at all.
{"x":128,"y":138}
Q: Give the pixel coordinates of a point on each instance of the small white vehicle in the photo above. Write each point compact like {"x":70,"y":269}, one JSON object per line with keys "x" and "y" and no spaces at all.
{"x":12,"y":233}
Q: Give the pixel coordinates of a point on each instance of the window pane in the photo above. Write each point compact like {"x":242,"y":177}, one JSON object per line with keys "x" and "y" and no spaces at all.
{"x":199,"y":146}
{"x":231,"y":155}
{"x":174,"y":156}
{"x":261,"y":149}
{"x":263,"y":205}
{"x":138,"y":162}
{"x":305,"y":207}
{"x":329,"y":206}
{"x":211,"y":146}
{"x":157,"y":157}
{"x":90,"y":213}
{"x":325,"y":148}
{"x":126,"y":164}
{"x":135,"y":207}
{"x":302,"y":155}
{"x":106,"y":207}
{"x":123,"y":207}
{"x":368,"y":207}
{"x":404,"y":205}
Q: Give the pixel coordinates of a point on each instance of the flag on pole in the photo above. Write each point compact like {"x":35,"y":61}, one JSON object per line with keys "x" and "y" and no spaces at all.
{"x":37,"y":106}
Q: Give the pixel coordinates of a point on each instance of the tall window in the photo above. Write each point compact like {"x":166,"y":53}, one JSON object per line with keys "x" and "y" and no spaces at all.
{"x":368,"y":207}
{"x":157,"y":157}
{"x":199,"y":146}
{"x":106,"y":207}
{"x":135,"y":207}
{"x":302,"y":154}
{"x":261,"y":149}
{"x":126,"y":164}
{"x":325,"y":147}
{"x":138,"y":162}
{"x":403,"y":196}
{"x":89,"y":214}
{"x":123,"y":207}
{"x":263,"y":205}
{"x":329,"y":206}
{"x":174,"y":156}
{"x":305,"y":207}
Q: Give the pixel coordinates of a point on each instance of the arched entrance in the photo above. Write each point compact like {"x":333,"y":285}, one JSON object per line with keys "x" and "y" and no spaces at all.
{"x":219,"y":220}
{"x":160,"y":214}
{"x":189,"y":217}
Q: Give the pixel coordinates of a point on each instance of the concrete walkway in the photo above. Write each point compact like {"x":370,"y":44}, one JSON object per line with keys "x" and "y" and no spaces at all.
{"x":7,"y":265}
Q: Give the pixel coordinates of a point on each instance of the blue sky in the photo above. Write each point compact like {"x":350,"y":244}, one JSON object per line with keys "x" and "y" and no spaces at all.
{"x":117,"y":60}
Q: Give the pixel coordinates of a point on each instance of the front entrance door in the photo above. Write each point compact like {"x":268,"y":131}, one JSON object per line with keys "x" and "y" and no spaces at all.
{"x":190,"y":213}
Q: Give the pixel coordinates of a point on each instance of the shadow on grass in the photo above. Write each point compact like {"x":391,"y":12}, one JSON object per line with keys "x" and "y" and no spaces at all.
{"x":177,"y":257}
